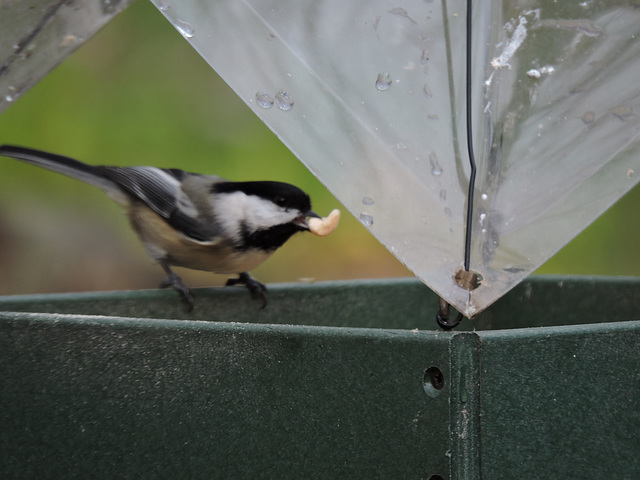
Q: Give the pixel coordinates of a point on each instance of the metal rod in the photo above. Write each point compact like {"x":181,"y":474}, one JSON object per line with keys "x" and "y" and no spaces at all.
{"x":472,"y":160}
{"x":443,"y":316}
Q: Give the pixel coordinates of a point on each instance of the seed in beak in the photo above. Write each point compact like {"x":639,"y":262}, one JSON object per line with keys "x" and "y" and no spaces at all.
{"x":324,"y":226}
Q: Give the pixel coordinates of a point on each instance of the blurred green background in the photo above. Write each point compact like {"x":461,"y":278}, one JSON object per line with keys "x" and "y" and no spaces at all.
{"x":138,"y":94}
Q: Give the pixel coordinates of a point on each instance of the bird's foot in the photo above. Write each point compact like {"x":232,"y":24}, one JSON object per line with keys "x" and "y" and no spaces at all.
{"x":175,"y":282}
{"x":256,"y":289}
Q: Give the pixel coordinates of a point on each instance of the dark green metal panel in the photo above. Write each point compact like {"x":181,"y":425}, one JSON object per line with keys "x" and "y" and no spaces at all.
{"x":561,"y":402}
{"x":465,"y":406}
{"x":552,"y":300}
{"x":86,"y":392}
{"x":110,"y":397}
{"x":355,"y":304}
{"x":388,"y":303}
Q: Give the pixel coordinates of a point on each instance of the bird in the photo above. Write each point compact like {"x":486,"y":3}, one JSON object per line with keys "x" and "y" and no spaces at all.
{"x":192,"y":220}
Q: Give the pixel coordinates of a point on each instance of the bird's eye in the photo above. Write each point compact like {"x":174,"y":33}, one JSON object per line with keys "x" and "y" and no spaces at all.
{"x":281,"y":201}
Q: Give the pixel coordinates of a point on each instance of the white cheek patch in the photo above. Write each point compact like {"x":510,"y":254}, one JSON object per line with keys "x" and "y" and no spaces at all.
{"x":232,"y":210}
{"x":262,"y":214}
{"x":229,"y":210}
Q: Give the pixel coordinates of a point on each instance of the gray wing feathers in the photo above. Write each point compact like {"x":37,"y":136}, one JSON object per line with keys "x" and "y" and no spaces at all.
{"x":158,"y":189}
{"x":161,"y":190}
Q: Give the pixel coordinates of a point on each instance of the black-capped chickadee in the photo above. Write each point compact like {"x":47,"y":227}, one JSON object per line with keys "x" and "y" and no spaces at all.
{"x":202,"y":222}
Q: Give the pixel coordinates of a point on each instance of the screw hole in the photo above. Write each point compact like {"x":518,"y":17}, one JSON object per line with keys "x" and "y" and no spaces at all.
{"x":433,"y":381}
{"x":435,"y":377}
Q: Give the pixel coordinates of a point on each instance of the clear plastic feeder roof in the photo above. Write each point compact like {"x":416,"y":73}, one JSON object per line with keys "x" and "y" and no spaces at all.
{"x":371,"y":97}
{"x":36,"y":35}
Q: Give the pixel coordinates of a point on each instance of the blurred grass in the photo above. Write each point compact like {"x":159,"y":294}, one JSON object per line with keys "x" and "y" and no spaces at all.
{"x":138,"y":94}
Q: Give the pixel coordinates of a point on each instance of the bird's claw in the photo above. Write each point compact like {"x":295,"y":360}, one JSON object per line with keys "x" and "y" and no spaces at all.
{"x":256,"y":289}
{"x":175,"y":282}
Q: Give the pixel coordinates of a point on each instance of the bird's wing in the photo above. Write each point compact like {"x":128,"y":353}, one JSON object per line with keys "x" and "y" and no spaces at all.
{"x":161,"y":190}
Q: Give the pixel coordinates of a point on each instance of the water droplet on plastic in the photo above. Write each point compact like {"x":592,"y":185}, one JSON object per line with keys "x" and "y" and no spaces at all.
{"x":425,"y":56}
{"x":443,"y":195}
{"x":483,"y":217}
{"x":367,"y":201}
{"x":264,"y":100}
{"x":623,"y":112}
{"x":534,"y":73}
{"x":67,"y":40}
{"x":185,"y":28}
{"x":401,"y":12}
{"x":12,"y":95}
{"x":436,"y":169}
{"x":284,"y":101}
{"x":427,"y":91}
{"x":163,"y":5}
{"x":484,"y":196}
{"x":447,"y":212}
{"x":383,"y":82}
{"x":366,"y":219}
{"x":588,"y":117}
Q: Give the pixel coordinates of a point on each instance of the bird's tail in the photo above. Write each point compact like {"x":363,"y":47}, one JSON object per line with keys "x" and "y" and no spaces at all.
{"x":64,"y":165}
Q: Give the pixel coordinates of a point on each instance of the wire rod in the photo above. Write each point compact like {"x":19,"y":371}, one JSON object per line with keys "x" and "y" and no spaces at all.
{"x":443,"y":316}
{"x":472,"y":160}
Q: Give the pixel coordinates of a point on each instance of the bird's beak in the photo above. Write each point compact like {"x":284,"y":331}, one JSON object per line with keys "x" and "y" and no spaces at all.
{"x":301,"y":221}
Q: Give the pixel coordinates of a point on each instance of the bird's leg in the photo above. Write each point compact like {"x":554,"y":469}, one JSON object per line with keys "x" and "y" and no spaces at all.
{"x":256,"y":289}
{"x":175,"y":282}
